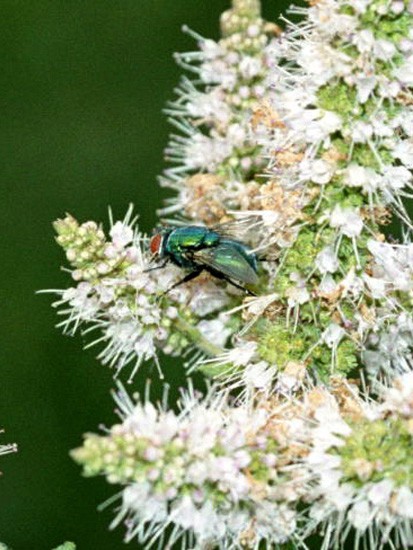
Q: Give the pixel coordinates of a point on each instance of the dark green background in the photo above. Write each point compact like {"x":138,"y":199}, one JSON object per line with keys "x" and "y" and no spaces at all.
{"x":82,"y":86}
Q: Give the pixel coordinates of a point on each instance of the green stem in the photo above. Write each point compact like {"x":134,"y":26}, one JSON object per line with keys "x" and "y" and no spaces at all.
{"x":196,"y":337}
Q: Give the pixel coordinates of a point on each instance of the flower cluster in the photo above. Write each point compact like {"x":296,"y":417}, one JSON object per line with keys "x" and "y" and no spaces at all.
{"x":217,"y":158}
{"x":119,"y":294}
{"x":364,"y":469}
{"x":300,"y":145}
{"x":215,"y":473}
{"x":227,"y":476}
{"x":342,"y":154}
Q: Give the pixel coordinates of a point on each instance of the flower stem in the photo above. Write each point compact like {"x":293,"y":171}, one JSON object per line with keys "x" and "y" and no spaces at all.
{"x":197,"y":338}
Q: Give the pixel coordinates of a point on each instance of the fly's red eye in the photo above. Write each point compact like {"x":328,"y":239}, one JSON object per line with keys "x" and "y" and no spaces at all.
{"x":155,"y":243}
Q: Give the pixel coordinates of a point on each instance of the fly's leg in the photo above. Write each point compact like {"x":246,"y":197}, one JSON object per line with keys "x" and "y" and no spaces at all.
{"x":240,"y":287}
{"x":187,"y":278}
{"x":264,"y":259}
{"x":223,"y":277}
{"x":160,"y":266}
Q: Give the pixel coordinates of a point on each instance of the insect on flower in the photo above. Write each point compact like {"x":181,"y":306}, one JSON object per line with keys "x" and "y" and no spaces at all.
{"x":197,"y":248}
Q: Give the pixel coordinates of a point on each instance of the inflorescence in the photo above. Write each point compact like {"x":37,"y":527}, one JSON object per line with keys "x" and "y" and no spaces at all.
{"x":300,"y":143}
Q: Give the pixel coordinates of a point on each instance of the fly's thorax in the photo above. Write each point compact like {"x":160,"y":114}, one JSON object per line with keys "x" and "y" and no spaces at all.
{"x":185,"y":239}
{"x":181,"y":243}
{"x":193,"y":237}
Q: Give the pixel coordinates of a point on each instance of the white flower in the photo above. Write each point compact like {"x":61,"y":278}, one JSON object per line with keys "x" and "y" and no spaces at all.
{"x":403,"y":503}
{"x":210,"y":49}
{"x":276,"y":525}
{"x":393,"y":264}
{"x":341,"y":496}
{"x":399,"y":397}
{"x":250,"y":67}
{"x":395,"y":177}
{"x":205,"y":299}
{"x":214,"y":331}
{"x":365,"y":86}
{"x":327,"y":285}
{"x":362,"y":131}
{"x":361,"y":5}
{"x":259,"y":375}
{"x":347,"y":220}
{"x":376,"y":286}
{"x":81,"y":299}
{"x":152,"y":508}
{"x":322,"y":61}
{"x":311,"y":135}
{"x":404,"y":152}
{"x":297,"y":294}
{"x":318,"y":171}
{"x":209,"y":106}
{"x":379,"y":494}
{"x":242,"y":354}
{"x":359,"y":176}
{"x":328,"y":122}
{"x":184,"y":513}
{"x":405,"y":72}
{"x":406,"y":122}
{"x":121,"y":234}
{"x":333,"y":335}
{"x":203,"y":152}
{"x":330,"y":21}
{"x":327,"y":261}
{"x":360,"y":515}
{"x":384,"y":49}
{"x":364,"y":40}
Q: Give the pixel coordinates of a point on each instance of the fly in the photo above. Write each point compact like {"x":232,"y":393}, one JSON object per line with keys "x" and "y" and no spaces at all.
{"x":197,"y":248}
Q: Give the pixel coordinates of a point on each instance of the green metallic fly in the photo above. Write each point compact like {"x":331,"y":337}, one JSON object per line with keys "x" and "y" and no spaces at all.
{"x":197,"y":248}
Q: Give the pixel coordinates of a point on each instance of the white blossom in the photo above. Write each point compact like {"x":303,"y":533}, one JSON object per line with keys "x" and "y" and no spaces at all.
{"x":347,"y":220}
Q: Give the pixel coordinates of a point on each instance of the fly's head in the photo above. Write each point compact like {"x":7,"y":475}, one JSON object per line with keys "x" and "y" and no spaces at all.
{"x":158,"y":240}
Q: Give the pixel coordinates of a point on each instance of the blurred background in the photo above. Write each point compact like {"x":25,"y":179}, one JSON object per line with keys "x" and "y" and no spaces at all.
{"x":83,"y":83}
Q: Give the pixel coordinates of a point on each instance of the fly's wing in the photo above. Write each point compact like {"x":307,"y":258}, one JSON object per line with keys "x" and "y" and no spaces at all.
{"x":227,"y":260}
{"x":243,"y":229}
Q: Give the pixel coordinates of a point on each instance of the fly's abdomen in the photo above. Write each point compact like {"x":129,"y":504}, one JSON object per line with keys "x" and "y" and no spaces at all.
{"x":244,"y":251}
